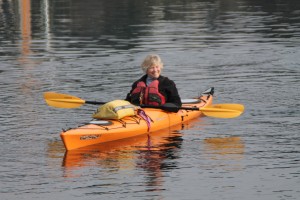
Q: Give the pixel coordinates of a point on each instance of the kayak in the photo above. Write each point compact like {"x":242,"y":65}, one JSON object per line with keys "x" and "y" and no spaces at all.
{"x":145,"y":119}
{"x":99,"y":131}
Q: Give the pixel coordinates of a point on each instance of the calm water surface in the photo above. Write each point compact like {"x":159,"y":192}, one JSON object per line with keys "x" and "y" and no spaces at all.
{"x":249,"y":50}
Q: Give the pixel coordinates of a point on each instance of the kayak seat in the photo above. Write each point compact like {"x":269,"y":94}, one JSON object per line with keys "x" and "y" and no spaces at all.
{"x":190,"y":101}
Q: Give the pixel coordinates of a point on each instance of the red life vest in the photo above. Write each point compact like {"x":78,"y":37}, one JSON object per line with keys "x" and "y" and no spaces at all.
{"x":148,"y":95}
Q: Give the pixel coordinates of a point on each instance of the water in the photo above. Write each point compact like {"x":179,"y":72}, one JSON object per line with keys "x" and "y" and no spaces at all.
{"x":248,"y":50}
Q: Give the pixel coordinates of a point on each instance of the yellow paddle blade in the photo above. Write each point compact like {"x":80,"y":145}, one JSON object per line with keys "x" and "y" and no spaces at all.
{"x":220,"y":112}
{"x":229,"y":106}
{"x":58,"y":100}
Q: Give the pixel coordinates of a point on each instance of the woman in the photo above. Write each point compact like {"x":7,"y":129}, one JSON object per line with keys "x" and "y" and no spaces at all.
{"x":152,"y":88}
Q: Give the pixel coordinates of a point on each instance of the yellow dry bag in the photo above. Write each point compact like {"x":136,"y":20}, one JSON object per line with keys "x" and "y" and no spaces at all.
{"x":116,"y":109}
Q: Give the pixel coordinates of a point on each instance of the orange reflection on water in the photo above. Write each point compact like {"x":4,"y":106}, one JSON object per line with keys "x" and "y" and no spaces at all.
{"x":26,"y":54}
{"x":223,"y":148}
{"x":25,"y":28}
{"x":123,"y":152}
{"x":226,"y":151}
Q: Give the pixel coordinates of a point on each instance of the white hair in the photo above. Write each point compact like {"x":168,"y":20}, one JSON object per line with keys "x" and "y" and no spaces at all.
{"x":151,"y":60}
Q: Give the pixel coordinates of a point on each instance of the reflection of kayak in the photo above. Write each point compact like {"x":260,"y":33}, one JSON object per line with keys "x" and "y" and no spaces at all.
{"x":224,"y":146}
{"x":101,"y":131}
{"x":122,"y":152}
{"x":227,"y":152}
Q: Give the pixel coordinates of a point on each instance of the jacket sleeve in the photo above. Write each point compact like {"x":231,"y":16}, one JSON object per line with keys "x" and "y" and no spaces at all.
{"x":172,"y":94}
{"x":128,"y":96}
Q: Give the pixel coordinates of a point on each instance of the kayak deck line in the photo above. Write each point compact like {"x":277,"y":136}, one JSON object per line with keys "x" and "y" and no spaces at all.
{"x":135,"y":119}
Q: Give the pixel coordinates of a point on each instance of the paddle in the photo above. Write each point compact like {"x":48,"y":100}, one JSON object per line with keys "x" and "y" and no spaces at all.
{"x":58,"y":100}
{"x":219,"y":110}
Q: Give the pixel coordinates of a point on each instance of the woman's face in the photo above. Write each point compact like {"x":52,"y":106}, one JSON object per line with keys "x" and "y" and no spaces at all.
{"x":154,"y":71}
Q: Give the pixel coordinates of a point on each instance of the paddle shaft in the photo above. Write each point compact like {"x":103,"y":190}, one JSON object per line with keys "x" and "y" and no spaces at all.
{"x":169,"y":107}
{"x":95,"y":102}
{"x":173,"y":108}
{"x":176,"y":108}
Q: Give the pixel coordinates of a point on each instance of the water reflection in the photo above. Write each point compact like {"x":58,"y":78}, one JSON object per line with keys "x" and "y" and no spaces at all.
{"x":25,"y":27}
{"x":224,"y":147}
{"x":129,"y":24}
{"x":226,"y":151}
{"x":160,"y":159}
{"x":145,"y":151}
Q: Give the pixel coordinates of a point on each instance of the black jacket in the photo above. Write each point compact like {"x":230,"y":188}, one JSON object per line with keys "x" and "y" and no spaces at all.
{"x":166,"y":87}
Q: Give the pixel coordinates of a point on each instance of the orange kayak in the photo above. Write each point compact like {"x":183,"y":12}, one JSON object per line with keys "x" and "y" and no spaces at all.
{"x":102,"y":131}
